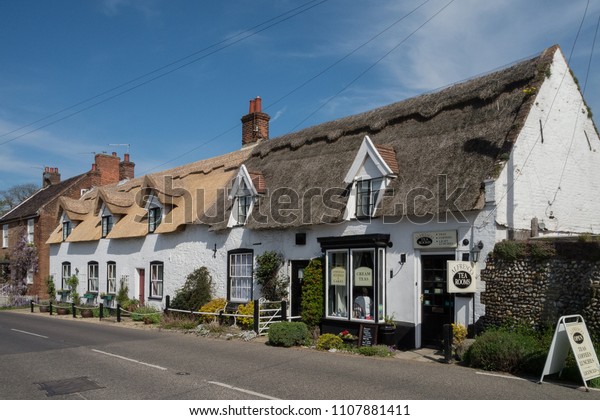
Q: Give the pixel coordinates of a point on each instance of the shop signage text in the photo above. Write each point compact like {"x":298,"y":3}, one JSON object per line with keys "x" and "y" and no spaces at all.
{"x":462,"y":277}
{"x":439,"y":239}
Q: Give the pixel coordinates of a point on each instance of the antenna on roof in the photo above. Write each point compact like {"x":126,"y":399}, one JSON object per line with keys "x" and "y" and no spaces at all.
{"x":121,"y":145}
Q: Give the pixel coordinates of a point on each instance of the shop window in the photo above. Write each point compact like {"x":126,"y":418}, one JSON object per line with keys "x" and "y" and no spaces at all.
{"x":240,"y":275}
{"x":355,"y":277}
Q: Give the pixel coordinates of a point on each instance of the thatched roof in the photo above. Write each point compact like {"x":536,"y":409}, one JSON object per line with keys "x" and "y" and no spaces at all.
{"x":185,"y":191}
{"x":449,"y":140}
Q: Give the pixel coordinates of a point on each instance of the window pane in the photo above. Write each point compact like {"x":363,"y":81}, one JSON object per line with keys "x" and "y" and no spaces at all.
{"x":337,"y":284}
{"x":363,"y":270}
{"x":240,"y":269}
{"x":381,"y":284}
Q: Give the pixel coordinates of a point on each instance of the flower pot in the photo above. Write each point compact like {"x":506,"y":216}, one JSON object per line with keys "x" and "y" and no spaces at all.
{"x":386,"y":334}
{"x":44,"y":308}
{"x":86,"y":313}
{"x":62,"y":311}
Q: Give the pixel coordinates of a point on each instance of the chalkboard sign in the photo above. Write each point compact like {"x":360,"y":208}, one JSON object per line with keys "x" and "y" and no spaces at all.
{"x":367,"y":335}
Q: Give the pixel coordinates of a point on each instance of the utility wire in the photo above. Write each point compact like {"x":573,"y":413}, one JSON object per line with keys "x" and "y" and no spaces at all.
{"x":296,"y":88}
{"x":510,"y":187}
{"x":228,"y":43}
{"x":562,"y":173}
{"x":365,"y":71}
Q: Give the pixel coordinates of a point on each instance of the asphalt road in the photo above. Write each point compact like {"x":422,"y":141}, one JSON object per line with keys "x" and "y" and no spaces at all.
{"x":49,"y":358}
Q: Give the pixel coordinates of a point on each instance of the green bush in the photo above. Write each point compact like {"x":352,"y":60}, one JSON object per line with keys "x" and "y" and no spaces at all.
{"x":542,"y":250}
{"x":312,"y":294}
{"x":329,"y":341}
{"x":144,"y":313}
{"x":196,"y":291}
{"x":506,"y":351}
{"x":273,"y":286}
{"x":379,"y":351}
{"x":288,"y":334}
{"x":509,"y":250}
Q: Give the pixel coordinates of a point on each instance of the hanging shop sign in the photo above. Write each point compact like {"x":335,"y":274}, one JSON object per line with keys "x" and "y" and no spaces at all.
{"x":439,"y":239}
{"x":461,"y":277}
{"x":338,"y":276}
{"x":571,"y":332}
{"x":363,"y":276}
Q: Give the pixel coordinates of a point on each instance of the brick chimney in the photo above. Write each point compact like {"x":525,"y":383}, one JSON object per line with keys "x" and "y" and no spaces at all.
{"x":255,"y":125}
{"x":106,"y":169}
{"x":126,"y":168}
{"x":50,"y":177}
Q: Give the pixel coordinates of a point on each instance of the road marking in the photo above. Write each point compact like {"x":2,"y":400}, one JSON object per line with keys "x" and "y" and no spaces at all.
{"x":500,"y":376}
{"x":245,"y":391}
{"x":30,"y":333}
{"x":130,"y":360}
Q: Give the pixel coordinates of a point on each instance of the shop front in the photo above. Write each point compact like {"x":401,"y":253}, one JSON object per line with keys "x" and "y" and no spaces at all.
{"x":354,"y":281}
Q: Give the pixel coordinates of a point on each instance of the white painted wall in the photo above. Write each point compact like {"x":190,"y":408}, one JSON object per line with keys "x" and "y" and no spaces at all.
{"x":183,"y":252}
{"x":556,"y":180}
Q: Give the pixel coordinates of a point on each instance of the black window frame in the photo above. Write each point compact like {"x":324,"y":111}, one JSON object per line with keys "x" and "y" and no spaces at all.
{"x":63,"y":279}
{"x":160,"y":264}
{"x":67,"y":228}
{"x":107,"y":224}
{"x":154,"y":218}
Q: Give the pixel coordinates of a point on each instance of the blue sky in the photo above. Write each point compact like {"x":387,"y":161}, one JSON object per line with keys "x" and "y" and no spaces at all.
{"x":57,"y":54}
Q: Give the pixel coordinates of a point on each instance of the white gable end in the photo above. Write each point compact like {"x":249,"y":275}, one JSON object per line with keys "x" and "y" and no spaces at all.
{"x":553,"y":171}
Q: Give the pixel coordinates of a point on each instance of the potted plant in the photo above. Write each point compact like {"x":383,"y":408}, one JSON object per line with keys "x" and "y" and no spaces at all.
{"x":387,"y":331}
{"x":73,"y":283}
{"x":86,"y":311}
{"x":107,"y":296}
{"x":348,"y":338}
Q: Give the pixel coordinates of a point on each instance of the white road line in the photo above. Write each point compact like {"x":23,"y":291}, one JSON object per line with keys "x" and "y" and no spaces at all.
{"x":245,"y":391}
{"x":130,"y":360}
{"x":500,"y":376}
{"x":30,"y":333}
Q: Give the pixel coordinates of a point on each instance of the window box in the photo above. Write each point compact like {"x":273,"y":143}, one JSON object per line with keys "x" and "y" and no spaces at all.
{"x":108,"y":297}
{"x":90,"y":295}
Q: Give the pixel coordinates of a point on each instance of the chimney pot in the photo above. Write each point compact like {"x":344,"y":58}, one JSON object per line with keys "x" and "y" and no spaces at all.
{"x":126,"y":157}
{"x":46,"y":169}
{"x":94,"y":167}
{"x":114,"y":154}
{"x":252,"y":107}
{"x":258,"y":104}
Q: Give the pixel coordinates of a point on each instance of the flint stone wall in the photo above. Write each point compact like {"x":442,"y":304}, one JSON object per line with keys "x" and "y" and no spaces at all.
{"x":539,"y":292}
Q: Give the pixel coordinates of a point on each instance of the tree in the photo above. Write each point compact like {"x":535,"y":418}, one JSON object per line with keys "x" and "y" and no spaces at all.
{"x":15,"y":195}
{"x":23,"y":260}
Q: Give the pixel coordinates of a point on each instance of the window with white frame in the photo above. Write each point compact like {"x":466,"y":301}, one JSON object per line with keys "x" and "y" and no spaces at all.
{"x":367,"y":178}
{"x":244,"y":196}
{"x":66,"y":273}
{"x":107,"y":224}
{"x":240,"y":275}
{"x":154,"y":218}
{"x":30,"y":230}
{"x":156,"y":279}
{"x":111,"y":277}
{"x":4,"y":236}
{"x":93,"y":277}
{"x":30,"y":276}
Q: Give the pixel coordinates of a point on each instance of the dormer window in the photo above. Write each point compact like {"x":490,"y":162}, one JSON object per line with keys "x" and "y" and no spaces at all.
{"x":67,"y":226}
{"x":367,"y":194}
{"x":107,"y":225}
{"x":66,"y":229}
{"x":154,"y":218}
{"x":244,"y":194}
{"x":371,"y":172}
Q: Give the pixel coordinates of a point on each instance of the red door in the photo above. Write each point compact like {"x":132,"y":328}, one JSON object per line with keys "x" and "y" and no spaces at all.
{"x":142,"y":276}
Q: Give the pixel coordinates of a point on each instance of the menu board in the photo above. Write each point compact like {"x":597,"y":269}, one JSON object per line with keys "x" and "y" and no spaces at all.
{"x":367,"y":335}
